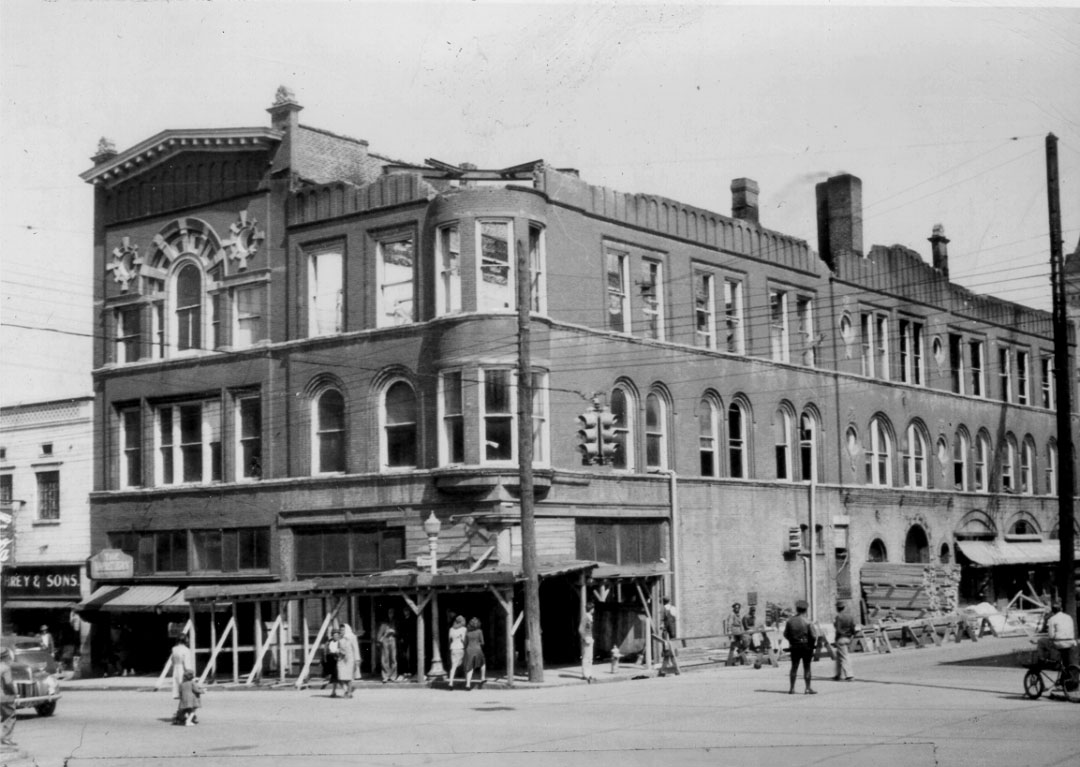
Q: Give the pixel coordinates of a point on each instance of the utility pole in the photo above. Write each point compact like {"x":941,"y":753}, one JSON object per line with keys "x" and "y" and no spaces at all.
{"x":525,"y":468}
{"x":1063,"y":374}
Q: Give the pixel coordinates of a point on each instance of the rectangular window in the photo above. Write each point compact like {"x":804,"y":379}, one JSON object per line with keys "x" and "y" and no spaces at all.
{"x":249,"y":437}
{"x":619,"y":542}
{"x":452,"y":437}
{"x":395,"y":264}
{"x":325,"y":301}
{"x":448,"y":263}
{"x":131,"y":447}
{"x":652,"y":300}
{"x":498,"y":415}
{"x":537,"y":259}
{"x":129,"y":334}
{"x":170,"y":551}
{"x":1005,"y":374}
{"x":48,"y":494}
{"x":207,"y":553}
{"x":977,"y":381}
{"x":779,"y":346}
{"x":956,"y":362}
{"x":540,"y":417}
{"x":866,"y":340}
{"x":804,"y":312}
{"x":189,"y":443}
{"x":6,"y":488}
{"x":733,"y":316}
{"x":618,"y":306}
{"x":704,"y":327}
{"x":1023,"y":391}
{"x":495,"y":288}
{"x":157,"y":320}
{"x":911,"y":352}
{"x":881,"y":339}
{"x":348,"y":550}
{"x":235,"y":550}
{"x":1048,"y":385}
{"x":250,"y":327}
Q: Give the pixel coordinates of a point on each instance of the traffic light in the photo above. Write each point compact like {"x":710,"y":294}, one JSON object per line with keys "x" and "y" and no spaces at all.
{"x":589,"y":434}
{"x":608,"y":440}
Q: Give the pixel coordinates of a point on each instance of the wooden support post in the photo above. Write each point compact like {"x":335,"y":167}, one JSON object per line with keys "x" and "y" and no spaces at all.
{"x":649,"y":618}
{"x":281,"y":638}
{"x":256,"y":666}
{"x":190,"y":628}
{"x":230,"y":628}
{"x":211,"y":662}
{"x":261,"y":650}
{"x":506,"y":602}
{"x":417,"y":608}
{"x":886,"y":645}
{"x":309,"y":655}
{"x":235,"y":648}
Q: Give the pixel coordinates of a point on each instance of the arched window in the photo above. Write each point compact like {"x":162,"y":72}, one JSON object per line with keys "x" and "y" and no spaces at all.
{"x":708,"y":433}
{"x":189,"y":308}
{"x":807,"y":446}
{"x":916,"y":546}
{"x":655,"y":432}
{"x":329,"y":432}
{"x":1023,"y":526}
{"x":879,"y":454}
{"x":877,"y":551}
{"x":622,"y":408}
{"x":399,"y":426}
{"x":782,"y":441}
{"x":915,"y":474}
{"x":982,"y":462}
{"x":945,"y":555}
{"x":737,"y":445}
{"x":1027,"y":467}
{"x":1051,"y":467}
{"x":961,"y":445}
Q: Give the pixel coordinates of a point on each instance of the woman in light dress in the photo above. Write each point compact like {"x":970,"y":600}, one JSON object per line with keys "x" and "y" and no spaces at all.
{"x":457,"y":646}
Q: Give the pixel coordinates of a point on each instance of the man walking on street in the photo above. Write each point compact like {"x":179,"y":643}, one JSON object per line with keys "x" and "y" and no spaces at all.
{"x":800,"y":636}
{"x":7,"y":702}
{"x":386,"y":636}
{"x":845,"y":632}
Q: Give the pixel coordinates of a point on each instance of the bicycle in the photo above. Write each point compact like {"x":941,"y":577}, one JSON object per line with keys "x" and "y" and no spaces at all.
{"x":1040,"y":678}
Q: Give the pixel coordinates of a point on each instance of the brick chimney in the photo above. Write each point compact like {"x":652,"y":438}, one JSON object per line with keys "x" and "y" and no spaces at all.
{"x":839,"y":216}
{"x":106,"y":150}
{"x":939,"y":248}
{"x":285,"y":117}
{"x":744,"y":199}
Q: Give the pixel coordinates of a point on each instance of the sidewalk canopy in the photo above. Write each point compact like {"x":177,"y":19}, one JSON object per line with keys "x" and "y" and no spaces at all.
{"x":134,"y":599}
{"x":995,"y":553}
{"x":381,"y":582}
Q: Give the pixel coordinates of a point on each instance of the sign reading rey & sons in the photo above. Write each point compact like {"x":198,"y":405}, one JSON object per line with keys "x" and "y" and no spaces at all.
{"x":48,"y":581}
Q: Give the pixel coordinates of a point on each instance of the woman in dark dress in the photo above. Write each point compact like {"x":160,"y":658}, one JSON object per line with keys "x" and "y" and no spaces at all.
{"x":474,"y":653}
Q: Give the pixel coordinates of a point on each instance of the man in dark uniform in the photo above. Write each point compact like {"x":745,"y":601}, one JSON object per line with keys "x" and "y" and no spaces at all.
{"x":845,"y":632}
{"x":800,"y":636}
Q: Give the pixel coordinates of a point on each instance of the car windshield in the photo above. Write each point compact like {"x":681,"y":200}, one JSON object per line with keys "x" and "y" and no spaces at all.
{"x":33,"y":657}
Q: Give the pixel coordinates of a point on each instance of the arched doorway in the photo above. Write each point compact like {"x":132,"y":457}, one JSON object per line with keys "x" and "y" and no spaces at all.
{"x":945,"y":555}
{"x":916,"y":546}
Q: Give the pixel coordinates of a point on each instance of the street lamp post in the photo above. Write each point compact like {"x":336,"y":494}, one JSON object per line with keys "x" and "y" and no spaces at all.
{"x":432,"y":526}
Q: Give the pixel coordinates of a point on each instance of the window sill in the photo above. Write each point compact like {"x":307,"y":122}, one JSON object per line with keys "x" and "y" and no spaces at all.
{"x":46,"y":523}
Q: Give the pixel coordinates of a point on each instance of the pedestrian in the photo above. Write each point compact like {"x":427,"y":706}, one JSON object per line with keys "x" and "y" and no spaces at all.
{"x":346,"y":662}
{"x":1060,"y":635}
{"x":585,"y":631}
{"x":845,"y":632}
{"x":386,"y":636}
{"x":182,"y":662}
{"x":474,"y":653}
{"x":670,"y":620}
{"x":190,"y":700}
{"x":8,"y":692}
{"x":48,"y":644}
{"x":330,"y":661}
{"x":736,"y":633}
{"x":350,"y":637}
{"x":457,"y":647}
{"x":799,"y":633}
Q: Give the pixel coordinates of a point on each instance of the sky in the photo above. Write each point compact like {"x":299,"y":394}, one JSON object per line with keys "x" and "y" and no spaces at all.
{"x":941,"y":110}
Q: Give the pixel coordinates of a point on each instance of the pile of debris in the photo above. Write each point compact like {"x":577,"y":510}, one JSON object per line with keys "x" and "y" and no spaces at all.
{"x":899,"y":592}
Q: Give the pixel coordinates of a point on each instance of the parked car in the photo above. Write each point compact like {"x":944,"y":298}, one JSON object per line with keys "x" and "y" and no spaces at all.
{"x":34,"y":673}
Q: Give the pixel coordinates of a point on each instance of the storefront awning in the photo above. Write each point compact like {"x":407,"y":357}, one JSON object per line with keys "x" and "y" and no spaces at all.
{"x":134,"y":599}
{"x":38,"y":604}
{"x":629,"y":572}
{"x":996,"y":553}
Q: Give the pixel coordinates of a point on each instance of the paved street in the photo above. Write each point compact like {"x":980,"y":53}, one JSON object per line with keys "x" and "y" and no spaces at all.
{"x":956,"y":705}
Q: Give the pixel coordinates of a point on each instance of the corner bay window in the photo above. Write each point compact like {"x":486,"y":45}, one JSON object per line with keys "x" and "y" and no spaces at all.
{"x":348,"y":549}
{"x":448,"y":265}
{"x":452,"y":433}
{"x":495,"y":288}
{"x":395,"y":264}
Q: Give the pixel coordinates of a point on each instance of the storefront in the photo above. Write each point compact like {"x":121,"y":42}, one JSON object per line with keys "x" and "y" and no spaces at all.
{"x":46,"y":595}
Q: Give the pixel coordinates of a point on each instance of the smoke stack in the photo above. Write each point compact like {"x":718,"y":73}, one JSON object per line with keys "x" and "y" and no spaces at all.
{"x":839,"y":214}
{"x":744,"y":199}
{"x":939,"y":247}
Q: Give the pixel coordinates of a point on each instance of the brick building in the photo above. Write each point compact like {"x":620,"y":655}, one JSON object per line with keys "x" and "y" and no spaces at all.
{"x":45,"y":471}
{"x":307,"y":349}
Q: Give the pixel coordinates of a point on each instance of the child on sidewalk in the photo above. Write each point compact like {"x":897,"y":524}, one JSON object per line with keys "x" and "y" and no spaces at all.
{"x":190,"y":694}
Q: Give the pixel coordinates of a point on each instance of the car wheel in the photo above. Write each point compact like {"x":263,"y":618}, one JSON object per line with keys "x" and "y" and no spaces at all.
{"x":46,"y":709}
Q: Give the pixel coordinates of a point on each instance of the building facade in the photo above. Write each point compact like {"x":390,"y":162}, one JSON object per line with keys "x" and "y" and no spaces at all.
{"x":46,"y":460}
{"x":307,"y":349}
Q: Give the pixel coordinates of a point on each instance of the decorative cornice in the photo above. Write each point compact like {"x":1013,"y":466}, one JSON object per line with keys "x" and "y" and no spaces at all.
{"x":156,"y":149}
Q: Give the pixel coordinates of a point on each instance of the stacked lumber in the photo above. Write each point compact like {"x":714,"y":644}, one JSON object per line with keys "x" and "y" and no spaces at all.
{"x":898,"y":592}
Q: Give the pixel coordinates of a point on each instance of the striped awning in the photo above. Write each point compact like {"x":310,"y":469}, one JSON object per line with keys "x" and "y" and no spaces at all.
{"x":997,"y":553}
{"x":142,"y":598}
